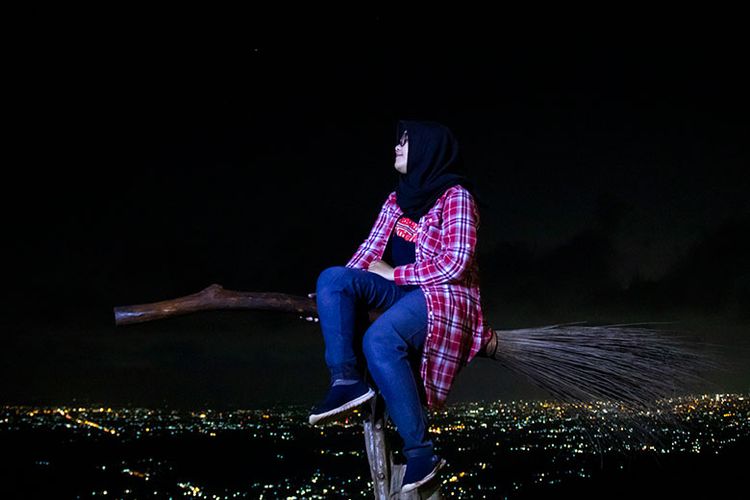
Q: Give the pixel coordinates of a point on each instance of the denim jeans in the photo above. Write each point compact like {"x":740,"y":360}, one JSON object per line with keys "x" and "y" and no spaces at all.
{"x":391,"y":346}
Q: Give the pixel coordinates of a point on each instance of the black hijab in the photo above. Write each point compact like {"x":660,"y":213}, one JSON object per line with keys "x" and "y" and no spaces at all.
{"x":433,"y":165}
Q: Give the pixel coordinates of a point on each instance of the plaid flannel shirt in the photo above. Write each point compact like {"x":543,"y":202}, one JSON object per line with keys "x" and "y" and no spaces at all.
{"x":446,"y":269}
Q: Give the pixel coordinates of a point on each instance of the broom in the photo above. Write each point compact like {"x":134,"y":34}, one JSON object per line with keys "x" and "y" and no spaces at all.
{"x":630,"y":369}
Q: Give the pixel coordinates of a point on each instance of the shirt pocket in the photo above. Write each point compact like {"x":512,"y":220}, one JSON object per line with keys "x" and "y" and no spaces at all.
{"x":430,"y":237}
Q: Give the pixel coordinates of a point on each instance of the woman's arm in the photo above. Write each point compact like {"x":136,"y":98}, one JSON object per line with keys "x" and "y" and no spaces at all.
{"x":366,"y":251}
{"x":458,"y":238}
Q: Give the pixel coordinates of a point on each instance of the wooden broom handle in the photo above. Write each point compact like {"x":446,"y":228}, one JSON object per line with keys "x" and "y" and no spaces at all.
{"x":216,"y":297}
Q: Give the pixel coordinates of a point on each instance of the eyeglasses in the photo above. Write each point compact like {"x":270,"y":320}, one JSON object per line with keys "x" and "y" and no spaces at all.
{"x":404,"y":139}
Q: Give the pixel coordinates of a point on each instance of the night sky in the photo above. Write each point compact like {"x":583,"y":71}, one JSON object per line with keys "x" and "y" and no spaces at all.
{"x":151,"y":166}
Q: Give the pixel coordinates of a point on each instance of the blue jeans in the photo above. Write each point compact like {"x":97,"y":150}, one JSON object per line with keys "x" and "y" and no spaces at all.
{"x":391,"y":346}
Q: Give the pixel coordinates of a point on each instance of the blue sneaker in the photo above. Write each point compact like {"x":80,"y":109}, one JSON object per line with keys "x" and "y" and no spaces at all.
{"x":340,"y":400}
{"x":420,"y":471}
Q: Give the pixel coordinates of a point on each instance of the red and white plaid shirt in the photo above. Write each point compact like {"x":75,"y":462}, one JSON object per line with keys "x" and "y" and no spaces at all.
{"x":447,"y":271}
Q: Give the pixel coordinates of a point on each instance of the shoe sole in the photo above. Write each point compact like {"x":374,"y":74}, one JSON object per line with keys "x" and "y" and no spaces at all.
{"x":331,"y":415}
{"x":412,"y":486}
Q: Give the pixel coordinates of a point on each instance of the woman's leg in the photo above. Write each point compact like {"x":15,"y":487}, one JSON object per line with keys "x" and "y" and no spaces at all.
{"x":344,"y":296}
{"x":387,"y":344}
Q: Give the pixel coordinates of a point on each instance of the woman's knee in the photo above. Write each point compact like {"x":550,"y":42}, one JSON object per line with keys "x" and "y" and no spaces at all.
{"x":379,"y":344}
{"x":330,"y":276}
{"x":372,"y":343}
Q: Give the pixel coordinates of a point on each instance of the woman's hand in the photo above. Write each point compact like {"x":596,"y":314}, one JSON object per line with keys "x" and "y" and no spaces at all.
{"x":382,"y":268}
{"x":314,"y":319}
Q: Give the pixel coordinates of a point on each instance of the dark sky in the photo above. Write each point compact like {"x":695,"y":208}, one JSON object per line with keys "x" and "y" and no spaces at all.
{"x":152,"y":164}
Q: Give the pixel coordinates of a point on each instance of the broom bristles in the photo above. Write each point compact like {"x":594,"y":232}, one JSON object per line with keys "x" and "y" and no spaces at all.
{"x":628,"y":371}
{"x":631,"y":366}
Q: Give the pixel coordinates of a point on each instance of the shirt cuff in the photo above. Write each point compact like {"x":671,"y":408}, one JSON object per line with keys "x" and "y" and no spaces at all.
{"x":399,"y":275}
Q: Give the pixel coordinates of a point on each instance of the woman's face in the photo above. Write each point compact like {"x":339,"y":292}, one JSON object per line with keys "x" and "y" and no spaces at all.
{"x":402,"y":153}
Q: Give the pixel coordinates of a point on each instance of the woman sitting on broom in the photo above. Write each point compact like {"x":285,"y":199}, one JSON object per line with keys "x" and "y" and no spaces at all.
{"x":419,"y":266}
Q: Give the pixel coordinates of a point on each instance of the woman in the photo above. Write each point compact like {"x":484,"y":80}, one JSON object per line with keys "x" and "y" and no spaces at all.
{"x":419,"y":265}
